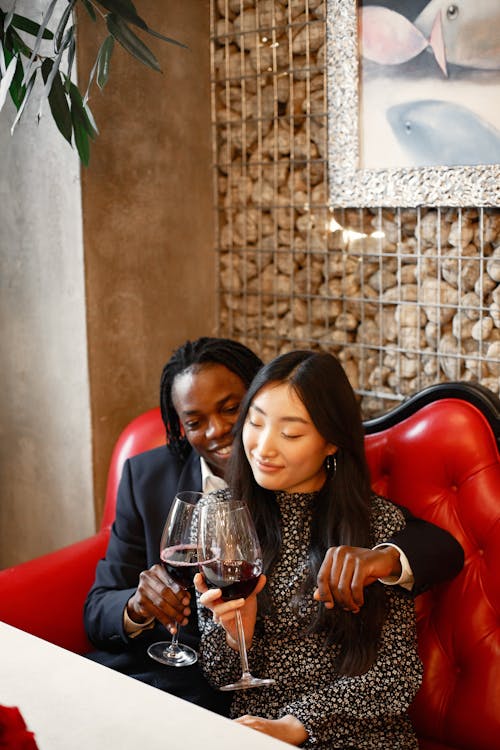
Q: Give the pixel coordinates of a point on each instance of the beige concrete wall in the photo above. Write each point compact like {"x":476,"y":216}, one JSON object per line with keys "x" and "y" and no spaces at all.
{"x":101,"y":317}
{"x":45,"y":445}
{"x":147,"y":218}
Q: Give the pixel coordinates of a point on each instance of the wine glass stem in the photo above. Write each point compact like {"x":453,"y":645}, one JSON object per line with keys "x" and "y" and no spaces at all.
{"x":241,"y":644}
{"x":173,"y":646}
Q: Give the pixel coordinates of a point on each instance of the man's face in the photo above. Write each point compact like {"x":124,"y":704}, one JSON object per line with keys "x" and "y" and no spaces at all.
{"x":207,"y":399}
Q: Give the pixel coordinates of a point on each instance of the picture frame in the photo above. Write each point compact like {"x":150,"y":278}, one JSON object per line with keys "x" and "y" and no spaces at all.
{"x":350,"y":185}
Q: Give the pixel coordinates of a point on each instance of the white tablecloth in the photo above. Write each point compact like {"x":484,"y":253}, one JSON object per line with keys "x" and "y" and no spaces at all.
{"x":71,"y":703}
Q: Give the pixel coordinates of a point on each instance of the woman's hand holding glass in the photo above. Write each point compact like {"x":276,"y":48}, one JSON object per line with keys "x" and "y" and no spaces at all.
{"x":224,"y":612}
{"x":230,"y":560}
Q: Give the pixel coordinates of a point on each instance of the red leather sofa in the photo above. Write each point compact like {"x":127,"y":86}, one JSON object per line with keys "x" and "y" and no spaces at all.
{"x":45,"y":596}
{"x":437,"y":454}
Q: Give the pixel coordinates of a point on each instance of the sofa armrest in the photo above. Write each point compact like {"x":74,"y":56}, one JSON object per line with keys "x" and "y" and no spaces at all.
{"x":45,"y":596}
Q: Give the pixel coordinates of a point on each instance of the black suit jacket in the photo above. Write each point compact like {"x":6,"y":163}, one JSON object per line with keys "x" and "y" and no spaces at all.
{"x":147,"y":488}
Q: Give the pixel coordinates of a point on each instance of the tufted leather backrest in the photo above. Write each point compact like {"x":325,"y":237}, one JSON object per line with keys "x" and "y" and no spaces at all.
{"x":143,"y":433}
{"x":442,"y":463}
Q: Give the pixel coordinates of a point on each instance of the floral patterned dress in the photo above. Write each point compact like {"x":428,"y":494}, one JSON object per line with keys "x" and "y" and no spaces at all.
{"x":348,"y":713}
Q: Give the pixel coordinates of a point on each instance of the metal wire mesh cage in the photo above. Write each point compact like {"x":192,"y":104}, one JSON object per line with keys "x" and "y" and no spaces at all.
{"x":404,"y":297}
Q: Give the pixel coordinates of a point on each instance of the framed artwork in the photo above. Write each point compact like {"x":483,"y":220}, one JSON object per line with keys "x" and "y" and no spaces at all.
{"x":413,"y":103}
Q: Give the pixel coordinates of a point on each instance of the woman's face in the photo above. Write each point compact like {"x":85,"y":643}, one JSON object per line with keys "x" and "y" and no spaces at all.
{"x":284,"y":448}
{"x":207,"y":399}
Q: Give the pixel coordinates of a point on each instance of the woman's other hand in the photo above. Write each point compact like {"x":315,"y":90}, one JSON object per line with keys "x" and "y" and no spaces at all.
{"x":287,"y":729}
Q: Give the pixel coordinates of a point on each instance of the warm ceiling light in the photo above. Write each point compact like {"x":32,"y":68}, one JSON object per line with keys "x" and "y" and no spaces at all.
{"x":333,"y":225}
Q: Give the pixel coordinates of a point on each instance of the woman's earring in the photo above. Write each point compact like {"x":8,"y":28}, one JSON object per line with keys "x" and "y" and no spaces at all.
{"x":331,"y":464}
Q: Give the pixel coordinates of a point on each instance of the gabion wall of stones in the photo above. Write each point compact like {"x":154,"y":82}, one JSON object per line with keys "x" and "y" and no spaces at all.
{"x":404,"y":297}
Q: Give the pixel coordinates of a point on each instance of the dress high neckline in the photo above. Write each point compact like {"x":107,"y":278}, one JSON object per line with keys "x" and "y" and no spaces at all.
{"x":295,"y":502}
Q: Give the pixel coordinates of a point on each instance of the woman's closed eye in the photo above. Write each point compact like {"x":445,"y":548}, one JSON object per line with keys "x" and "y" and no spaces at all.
{"x":290,"y":437}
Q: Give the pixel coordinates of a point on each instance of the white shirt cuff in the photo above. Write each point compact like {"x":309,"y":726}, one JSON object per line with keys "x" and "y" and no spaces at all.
{"x":406,"y":579}
{"x":133,"y":629}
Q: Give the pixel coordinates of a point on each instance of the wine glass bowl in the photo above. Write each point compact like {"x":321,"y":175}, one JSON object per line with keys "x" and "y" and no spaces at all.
{"x":235,"y":578}
{"x":181,"y":563}
{"x":230,"y":559}
{"x":179,"y":557}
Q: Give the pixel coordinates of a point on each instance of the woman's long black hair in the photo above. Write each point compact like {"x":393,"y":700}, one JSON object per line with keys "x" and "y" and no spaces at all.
{"x":342,"y":510}
{"x":203,"y":351}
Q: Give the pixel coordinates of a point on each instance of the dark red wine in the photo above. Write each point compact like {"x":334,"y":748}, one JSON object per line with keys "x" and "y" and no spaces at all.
{"x":181,"y":563}
{"x":235,"y":578}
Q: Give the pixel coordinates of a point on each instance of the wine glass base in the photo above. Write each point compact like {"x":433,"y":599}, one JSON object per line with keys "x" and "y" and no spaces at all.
{"x":172,"y":655}
{"x":248,"y":682}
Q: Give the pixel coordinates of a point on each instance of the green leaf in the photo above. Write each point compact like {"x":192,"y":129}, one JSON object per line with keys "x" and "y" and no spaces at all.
{"x":126,"y":37}
{"x":91,"y":78}
{"x":47,"y":66}
{"x":78,"y":108}
{"x":60,"y":108}
{"x":90,"y":9}
{"x":31,"y":27}
{"x":6,"y":55}
{"x":166,"y":38}
{"x":29,"y":89}
{"x":104,"y":60}
{"x":58,"y":36}
{"x":39,"y":36}
{"x":90,"y":116}
{"x":71,"y":58}
{"x":50,"y":68}
{"x":17,"y":43}
{"x":81,"y":137}
{"x":17,"y":90}
{"x":7,"y":19}
{"x":82,"y":127}
{"x":101,"y":65}
{"x":124,"y":9}
{"x":2,"y":58}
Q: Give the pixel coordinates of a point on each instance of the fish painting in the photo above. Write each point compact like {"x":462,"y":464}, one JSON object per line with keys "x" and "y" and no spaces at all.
{"x":389,"y":38}
{"x":470,"y":29}
{"x":440,"y":133}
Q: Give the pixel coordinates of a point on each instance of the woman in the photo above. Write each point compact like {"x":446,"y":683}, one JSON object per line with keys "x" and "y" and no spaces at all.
{"x":343,"y":680}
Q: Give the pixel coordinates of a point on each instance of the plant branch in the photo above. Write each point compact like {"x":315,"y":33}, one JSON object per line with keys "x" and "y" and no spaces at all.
{"x":68,"y":107}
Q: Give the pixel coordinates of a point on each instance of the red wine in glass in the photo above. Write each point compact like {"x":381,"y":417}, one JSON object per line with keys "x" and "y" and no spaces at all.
{"x":181,"y":563}
{"x":235,"y":578}
{"x":178,"y":553}
{"x":230,"y":559}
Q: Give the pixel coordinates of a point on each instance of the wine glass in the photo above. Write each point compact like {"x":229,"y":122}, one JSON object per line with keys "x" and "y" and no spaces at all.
{"x":231,"y":560}
{"x":179,"y":555}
